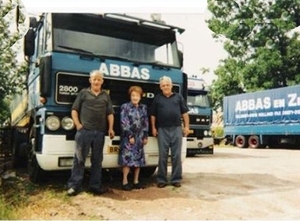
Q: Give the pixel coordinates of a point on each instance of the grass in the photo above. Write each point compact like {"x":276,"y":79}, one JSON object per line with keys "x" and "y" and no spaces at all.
{"x":19,"y":197}
{"x":7,"y":211}
{"x":14,"y":195}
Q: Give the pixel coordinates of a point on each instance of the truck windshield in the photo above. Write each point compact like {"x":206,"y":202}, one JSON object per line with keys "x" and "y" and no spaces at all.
{"x":198,"y":100}
{"x":100,"y":36}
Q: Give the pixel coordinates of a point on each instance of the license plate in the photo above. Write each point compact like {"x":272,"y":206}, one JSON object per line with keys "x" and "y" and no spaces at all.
{"x":113,"y":149}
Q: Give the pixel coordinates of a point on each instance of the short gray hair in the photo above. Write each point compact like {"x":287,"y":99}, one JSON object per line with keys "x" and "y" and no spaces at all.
{"x":165,"y":78}
{"x":96,"y":72}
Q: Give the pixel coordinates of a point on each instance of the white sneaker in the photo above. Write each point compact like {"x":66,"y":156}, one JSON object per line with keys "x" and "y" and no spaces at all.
{"x":72,"y":192}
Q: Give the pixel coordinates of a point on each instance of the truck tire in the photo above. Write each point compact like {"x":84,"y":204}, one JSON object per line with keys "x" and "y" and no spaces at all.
{"x":34,"y":170}
{"x":19,"y":145}
{"x":253,"y":142}
{"x":240,"y":141}
{"x":147,"y":171}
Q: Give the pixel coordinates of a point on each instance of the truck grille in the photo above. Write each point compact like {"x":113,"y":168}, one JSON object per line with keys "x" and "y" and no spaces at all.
{"x":68,"y":85}
{"x":200,"y":119}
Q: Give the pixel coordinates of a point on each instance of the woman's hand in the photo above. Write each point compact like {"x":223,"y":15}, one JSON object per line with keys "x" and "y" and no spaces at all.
{"x":131,"y":140}
{"x":145,"y":141}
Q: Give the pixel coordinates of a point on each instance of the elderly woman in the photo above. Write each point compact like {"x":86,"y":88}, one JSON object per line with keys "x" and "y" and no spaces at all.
{"x":134,"y":127}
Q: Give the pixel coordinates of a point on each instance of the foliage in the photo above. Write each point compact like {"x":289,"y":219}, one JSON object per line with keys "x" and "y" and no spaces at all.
{"x":12,"y":29}
{"x":218,"y":131}
{"x":14,"y":196}
{"x":6,"y":211}
{"x":4,"y":113}
{"x":263,"y":52}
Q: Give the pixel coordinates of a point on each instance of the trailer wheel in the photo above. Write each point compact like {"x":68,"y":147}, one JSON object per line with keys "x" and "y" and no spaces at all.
{"x":240,"y":141}
{"x":253,"y":141}
{"x":147,"y":171}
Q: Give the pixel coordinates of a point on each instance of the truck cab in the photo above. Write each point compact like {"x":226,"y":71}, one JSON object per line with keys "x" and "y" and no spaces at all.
{"x":200,"y":140}
{"x":61,"y":50}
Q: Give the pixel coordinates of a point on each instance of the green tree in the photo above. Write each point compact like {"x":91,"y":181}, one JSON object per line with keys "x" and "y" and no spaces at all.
{"x":263,"y":53}
{"x":12,"y":72}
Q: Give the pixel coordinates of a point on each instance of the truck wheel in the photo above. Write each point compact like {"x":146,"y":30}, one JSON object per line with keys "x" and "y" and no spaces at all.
{"x":253,"y":141}
{"x":19,"y":144}
{"x":147,"y":171}
{"x":34,"y":170}
{"x":240,"y":141}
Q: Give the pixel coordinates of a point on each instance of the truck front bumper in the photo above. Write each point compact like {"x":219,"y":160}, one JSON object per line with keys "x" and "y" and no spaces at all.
{"x":199,"y":146}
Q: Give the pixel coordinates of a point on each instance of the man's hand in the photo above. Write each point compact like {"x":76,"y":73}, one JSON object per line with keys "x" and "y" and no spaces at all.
{"x":186,"y":131}
{"x":154,"y":132}
{"x":111,"y":134}
{"x":78,"y":126}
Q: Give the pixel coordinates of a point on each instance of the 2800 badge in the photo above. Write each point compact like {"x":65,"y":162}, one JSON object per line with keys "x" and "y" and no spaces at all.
{"x":68,"y":90}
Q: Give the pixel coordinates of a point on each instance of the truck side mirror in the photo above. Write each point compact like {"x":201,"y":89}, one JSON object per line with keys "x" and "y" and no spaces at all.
{"x":180,"y":56}
{"x":32,"y":22}
{"x":29,"y":44}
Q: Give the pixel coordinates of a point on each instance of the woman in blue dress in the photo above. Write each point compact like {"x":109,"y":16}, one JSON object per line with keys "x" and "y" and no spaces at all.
{"x":134,"y":135}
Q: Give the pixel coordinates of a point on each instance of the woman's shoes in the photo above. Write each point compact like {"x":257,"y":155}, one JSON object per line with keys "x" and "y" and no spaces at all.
{"x":138,"y":186}
{"x":126,"y":187}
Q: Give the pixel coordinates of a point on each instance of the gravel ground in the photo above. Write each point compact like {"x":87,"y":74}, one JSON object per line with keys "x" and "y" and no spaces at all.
{"x":230,"y":184}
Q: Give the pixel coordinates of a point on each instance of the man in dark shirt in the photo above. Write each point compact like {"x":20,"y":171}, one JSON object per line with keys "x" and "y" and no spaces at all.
{"x":91,"y":111}
{"x":166,"y":112}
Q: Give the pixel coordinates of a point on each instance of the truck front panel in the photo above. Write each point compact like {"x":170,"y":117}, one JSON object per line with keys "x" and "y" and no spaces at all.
{"x":200,"y":140}
{"x":128,"y":51}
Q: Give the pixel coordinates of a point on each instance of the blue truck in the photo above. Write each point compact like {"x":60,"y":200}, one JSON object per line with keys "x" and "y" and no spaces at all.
{"x":268,"y":118}
{"x":200,"y":140}
{"x":61,"y":50}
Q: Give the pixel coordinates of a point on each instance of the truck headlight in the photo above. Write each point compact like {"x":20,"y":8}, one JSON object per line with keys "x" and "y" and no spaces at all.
{"x":52,"y":123}
{"x":205,"y":133}
{"x":67,"y":123}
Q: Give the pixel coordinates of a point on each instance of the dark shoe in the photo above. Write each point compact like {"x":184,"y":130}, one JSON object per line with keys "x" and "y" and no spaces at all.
{"x":126,"y":187}
{"x":98,"y":191}
{"x":72,"y":192}
{"x":138,"y":186}
{"x":161,"y":185}
{"x":177,"y":184}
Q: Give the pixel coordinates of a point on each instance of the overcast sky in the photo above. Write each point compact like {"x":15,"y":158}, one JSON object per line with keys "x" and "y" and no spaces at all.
{"x":200,"y":49}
